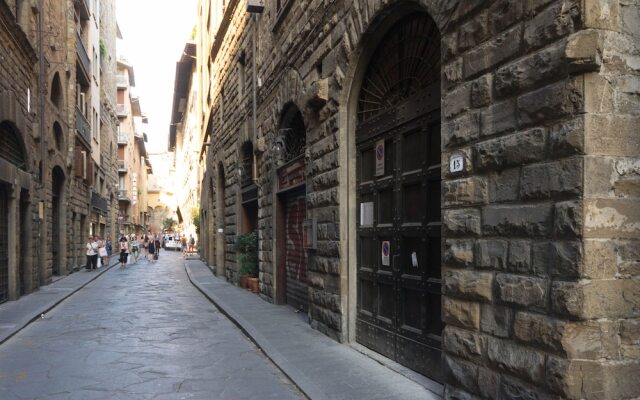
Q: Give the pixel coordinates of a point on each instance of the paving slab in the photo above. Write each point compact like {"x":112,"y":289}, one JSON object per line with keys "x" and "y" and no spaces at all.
{"x":15,"y":315}
{"x":321,"y":367}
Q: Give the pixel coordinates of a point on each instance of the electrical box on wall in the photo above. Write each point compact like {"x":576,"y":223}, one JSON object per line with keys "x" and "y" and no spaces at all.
{"x":255,"y":6}
{"x":309,"y":235}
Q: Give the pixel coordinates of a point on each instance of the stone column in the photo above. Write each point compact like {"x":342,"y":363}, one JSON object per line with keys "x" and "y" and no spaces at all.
{"x":13,"y":241}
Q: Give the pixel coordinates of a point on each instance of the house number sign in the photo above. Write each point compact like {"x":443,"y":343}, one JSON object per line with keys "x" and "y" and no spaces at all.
{"x":456,"y":163}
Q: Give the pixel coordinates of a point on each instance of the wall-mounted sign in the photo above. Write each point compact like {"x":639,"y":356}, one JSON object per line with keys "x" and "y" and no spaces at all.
{"x":456,"y":163}
{"x":386,"y":252}
{"x":366,"y":214}
{"x":379,"y":154}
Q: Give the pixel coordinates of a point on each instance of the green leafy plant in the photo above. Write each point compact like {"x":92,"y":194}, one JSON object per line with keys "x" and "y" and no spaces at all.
{"x":168,"y":224}
{"x":247,"y":248}
{"x":195,"y":216}
{"x":103,"y":49}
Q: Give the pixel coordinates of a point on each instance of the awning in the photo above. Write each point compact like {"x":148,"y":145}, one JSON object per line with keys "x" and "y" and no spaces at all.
{"x":179,"y":215}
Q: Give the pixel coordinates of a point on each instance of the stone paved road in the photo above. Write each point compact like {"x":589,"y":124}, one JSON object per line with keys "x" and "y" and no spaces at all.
{"x":141,"y":333}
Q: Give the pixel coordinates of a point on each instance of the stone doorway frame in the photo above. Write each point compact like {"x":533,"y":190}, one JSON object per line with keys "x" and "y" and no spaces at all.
{"x":358,"y":63}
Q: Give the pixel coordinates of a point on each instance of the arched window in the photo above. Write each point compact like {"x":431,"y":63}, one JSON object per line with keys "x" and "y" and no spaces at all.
{"x":56,"y":90}
{"x":292,"y":134}
{"x":58,"y":136}
{"x":11,"y":148}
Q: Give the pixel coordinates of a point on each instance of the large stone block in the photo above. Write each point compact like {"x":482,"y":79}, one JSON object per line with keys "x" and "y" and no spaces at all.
{"x":552,"y":179}
{"x":567,"y":259}
{"x":519,"y":148}
{"x":539,"y":330}
{"x":457,"y":101}
{"x":461,"y":130}
{"x":511,"y":388}
{"x":498,"y":118}
{"x":463,"y":222}
{"x":568,"y":219}
{"x":463,"y":373}
{"x":504,"y":185}
{"x":474,"y":32}
{"x":504,"y":13}
{"x":458,"y":252}
{"x":468,"y":284}
{"x":591,"y":340}
{"x":491,"y":253}
{"x":551,"y":102}
{"x":464,"y":343}
{"x":517,"y":220}
{"x":612,"y":135}
{"x":567,"y":138}
{"x":606,"y":218}
{"x":465,"y":191}
{"x":602,"y":14}
{"x":596,"y":299}
{"x":555,"y":22}
{"x":493,"y":52}
{"x":496,"y":320}
{"x":526,"y":73}
{"x":519,"y":259}
{"x":523,"y":291}
{"x":630,"y":338}
{"x":481,"y":93}
{"x":465,"y":314}
{"x":515,"y":359}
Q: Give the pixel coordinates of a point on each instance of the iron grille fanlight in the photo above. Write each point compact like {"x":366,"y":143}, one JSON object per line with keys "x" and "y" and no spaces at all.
{"x":11,"y":146}
{"x":289,"y":145}
{"x":405,"y":63}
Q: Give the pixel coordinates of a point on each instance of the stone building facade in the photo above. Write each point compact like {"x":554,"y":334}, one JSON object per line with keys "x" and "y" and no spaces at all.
{"x":49,"y":141}
{"x":453,"y":184}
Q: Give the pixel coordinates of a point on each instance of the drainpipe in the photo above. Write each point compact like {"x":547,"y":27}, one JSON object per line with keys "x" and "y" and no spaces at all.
{"x":254,"y":78}
{"x":42,"y":91}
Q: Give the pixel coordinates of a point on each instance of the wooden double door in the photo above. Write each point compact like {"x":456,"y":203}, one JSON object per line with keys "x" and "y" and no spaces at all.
{"x":399,"y":236}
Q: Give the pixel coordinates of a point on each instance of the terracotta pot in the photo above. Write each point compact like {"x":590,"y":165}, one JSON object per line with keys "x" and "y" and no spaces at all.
{"x":244,"y":282}
{"x":254,"y":285}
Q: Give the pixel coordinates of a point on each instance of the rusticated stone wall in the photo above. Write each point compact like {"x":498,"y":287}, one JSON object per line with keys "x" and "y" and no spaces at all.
{"x":541,"y":295}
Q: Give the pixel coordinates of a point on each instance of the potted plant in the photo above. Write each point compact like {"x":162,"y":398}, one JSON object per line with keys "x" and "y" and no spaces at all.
{"x":247,"y":248}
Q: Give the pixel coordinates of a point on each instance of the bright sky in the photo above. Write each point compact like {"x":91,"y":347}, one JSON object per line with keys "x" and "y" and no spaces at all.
{"x":154,"y":33}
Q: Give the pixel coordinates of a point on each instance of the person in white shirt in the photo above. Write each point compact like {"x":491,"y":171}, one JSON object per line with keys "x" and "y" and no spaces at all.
{"x":92,"y":254}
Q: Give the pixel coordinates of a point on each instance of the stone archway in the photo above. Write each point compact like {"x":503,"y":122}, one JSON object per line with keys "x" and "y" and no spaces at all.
{"x":392,"y":157}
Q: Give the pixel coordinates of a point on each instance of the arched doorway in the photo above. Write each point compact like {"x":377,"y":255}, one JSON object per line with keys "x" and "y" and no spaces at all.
{"x":398,"y":225}
{"x":291,"y":272}
{"x":57,"y":217}
{"x":220,"y":222}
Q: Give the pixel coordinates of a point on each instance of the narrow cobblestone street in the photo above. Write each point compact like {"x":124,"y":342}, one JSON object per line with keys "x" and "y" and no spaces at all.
{"x":141,"y":333}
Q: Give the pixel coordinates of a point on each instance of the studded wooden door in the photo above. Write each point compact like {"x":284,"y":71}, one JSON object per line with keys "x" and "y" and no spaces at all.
{"x":398,"y":193}
{"x":4,"y":244}
{"x":295,"y":255}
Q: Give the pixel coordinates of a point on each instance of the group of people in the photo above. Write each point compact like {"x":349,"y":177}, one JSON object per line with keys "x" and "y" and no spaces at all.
{"x":148,"y":243}
{"x":97,"y":247}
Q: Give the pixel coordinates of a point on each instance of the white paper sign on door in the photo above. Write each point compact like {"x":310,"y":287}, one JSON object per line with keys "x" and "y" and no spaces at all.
{"x":366,"y":214}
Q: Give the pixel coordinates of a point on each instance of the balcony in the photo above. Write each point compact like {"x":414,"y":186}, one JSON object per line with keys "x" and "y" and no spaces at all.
{"x":82,"y":126}
{"x":99,"y":203}
{"x":122,"y":166}
{"x":122,"y":81}
{"x":123,"y":139}
{"x":121,"y":110}
{"x":123,"y":195}
{"x":83,"y":59}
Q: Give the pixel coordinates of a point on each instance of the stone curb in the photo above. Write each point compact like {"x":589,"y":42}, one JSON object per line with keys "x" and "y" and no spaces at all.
{"x":52,"y":304}
{"x":306,"y":386}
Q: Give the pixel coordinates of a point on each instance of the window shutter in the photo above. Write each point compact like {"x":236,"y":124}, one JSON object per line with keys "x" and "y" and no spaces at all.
{"x":78,"y":163}
{"x":89,"y":179}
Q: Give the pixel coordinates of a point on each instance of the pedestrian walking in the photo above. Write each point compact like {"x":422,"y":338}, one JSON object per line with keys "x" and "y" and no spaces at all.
{"x":109,"y":247}
{"x":124,"y":252}
{"x":135,"y":252}
{"x":151,"y":247}
{"x":183,"y":245}
{"x":92,"y":254}
{"x":145,"y":247}
{"x":102,"y":251}
{"x":158,"y":246}
{"x":192,"y":244}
